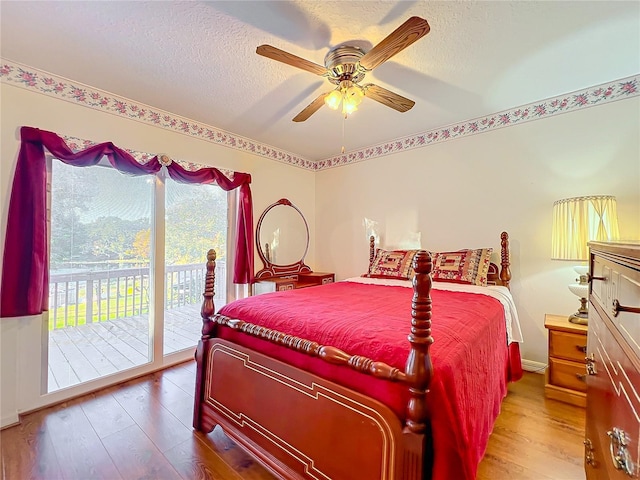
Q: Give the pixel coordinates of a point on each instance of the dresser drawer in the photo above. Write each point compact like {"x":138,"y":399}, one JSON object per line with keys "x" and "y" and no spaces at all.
{"x":274,"y":285}
{"x":315,"y":278}
{"x":613,"y":406}
{"x":292,"y":282}
{"x":566,"y":374}
{"x":613,"y":283}
{"x":627,"y":294}
{"x":570,"y":346}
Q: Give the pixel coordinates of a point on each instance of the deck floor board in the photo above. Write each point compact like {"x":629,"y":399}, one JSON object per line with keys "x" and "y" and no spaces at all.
{"x":85,"y":352}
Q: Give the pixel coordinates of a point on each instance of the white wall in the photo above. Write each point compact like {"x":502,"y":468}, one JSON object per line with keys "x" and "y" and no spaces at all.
{"x":464,"y":192}
{"x":20,"y":338}
{"x":456,"y":194}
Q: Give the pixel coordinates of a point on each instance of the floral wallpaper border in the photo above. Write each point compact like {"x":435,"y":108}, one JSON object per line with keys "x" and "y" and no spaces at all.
{"x":33,"y":79}
{"x":52,"y":85}
{"x":605,"y":93}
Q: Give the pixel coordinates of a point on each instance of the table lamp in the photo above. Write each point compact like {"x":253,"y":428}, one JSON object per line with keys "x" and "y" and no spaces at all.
{"x":577,"y":221}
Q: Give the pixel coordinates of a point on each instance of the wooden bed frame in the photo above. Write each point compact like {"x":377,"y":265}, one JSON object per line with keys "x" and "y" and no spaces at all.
{"x":301,"y":426}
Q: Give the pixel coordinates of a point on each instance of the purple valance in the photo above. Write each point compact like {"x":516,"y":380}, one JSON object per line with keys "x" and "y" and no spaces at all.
{"x":25,"y":269}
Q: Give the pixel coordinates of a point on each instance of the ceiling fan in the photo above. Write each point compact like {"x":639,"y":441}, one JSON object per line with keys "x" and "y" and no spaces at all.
{"x":347,"y":65}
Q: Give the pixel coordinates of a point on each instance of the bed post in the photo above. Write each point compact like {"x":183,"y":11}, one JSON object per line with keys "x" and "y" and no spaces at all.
{"x":505,"y":271}
{"x":418,"y":369}
{"x":208,"y":329}
{"x":208,"y":307}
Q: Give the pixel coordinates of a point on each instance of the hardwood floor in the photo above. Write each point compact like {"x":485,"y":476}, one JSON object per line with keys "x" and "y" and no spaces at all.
{"x":142,"y":429}
{"x":535,"y":438}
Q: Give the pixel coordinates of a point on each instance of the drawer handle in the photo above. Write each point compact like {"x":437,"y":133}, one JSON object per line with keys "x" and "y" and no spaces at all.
{"x":590,"y":364}
{"x":589,"y":457}
{"x":620,"y":455}
{"x":581,"y":376}
{"x":582,"y":348}
{"x":591,"y":278}
{"x":617,"y":308}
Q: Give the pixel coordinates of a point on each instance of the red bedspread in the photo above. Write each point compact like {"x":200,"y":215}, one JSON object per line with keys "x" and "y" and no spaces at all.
{"x":469,"y":354}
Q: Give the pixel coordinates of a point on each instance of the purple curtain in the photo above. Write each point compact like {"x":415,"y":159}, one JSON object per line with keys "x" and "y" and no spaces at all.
{"x":25,"y":269}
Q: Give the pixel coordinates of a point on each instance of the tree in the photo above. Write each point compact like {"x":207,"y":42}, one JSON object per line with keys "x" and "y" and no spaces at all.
{"x":70,"y":194}
{"x":196,"y":221}
{"x":141,"y":245}
{"x":112,"y":238}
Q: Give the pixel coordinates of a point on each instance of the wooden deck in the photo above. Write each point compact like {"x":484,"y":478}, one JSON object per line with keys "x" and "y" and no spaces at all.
{"x":82,"y":353}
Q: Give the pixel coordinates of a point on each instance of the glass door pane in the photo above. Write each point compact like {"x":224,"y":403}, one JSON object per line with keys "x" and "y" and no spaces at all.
{"x":195,"y":221}
{"x":99,"y":290}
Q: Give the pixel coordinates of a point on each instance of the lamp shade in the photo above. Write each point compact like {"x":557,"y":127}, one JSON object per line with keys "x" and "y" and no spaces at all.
{"x":579,"y":220}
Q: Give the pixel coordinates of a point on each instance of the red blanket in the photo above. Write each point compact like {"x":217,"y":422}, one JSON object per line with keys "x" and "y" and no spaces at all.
{"x":469,"y":354}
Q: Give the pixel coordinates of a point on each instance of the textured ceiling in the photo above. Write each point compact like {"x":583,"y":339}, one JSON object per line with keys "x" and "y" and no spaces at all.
{"x":197,"y":59}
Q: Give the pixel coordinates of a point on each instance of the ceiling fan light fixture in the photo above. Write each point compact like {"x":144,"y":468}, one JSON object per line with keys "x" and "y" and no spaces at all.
{"x":346,"y":65}
{"x":354,"y":94}
{"x":333,"y":99}
{"x":348,"y":106}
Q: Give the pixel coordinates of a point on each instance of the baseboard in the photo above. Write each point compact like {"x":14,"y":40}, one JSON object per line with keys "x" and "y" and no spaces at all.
{"x":9,"y":420}
{"x":535,"y":367}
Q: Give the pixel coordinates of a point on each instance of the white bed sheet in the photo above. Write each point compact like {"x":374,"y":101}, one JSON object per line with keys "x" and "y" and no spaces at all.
{"x":502,"y":294}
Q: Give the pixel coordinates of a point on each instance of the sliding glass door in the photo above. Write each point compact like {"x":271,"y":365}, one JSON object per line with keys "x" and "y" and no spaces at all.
{"x":127,"y":256}
{"x":99,"y":292}
{"x":195,"y":221}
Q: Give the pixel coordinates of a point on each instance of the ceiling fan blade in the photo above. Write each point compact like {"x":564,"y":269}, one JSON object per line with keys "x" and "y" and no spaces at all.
{"x":290,"y":59}
{"x":310,"y":109}
{"x":403,"y":36}
{"x":388,"y":98}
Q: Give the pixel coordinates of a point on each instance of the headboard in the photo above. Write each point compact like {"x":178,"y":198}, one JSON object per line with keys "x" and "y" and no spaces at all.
{"x":496,"y":276}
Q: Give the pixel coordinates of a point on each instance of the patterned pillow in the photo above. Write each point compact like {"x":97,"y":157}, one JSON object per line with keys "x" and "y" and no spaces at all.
{"x":392,"y":264}
{"x":463,"y":266}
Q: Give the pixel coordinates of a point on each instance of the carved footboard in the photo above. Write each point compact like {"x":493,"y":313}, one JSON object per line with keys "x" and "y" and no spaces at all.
{"x":302,"y":426}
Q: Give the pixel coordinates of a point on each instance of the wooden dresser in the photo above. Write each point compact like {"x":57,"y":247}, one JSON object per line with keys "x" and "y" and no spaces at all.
{"x":612,"y":435}
{"x":565,"y":377}
{"x":291,"y":282}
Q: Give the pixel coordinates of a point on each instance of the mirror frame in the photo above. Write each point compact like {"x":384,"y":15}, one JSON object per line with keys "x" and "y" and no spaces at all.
{"x":272,"y":270}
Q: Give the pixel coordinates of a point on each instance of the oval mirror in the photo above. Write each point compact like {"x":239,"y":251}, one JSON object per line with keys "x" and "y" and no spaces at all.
{"x":282,"y":236}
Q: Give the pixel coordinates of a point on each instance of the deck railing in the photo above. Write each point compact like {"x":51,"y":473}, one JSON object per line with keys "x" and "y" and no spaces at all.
{"x":94,"y":296}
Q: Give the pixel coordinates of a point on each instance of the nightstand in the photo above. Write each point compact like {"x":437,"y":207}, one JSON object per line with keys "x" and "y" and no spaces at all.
{"x":566,"y":373}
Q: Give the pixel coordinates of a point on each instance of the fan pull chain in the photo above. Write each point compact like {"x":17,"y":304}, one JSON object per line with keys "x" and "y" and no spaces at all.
{"x":343,"y":121}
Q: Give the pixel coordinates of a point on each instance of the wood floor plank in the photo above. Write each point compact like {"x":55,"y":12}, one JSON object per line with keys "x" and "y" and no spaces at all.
{"x":107,"y":353}
{"x":172,"y":397}
{"x":27,"y":451}
{"x":80,"y":364}
{"x":185,"y":379}
{"x":110,"y":333}
{"x":100,"y":362}
{"x":234,"y":456}
{"x":174,"y":343}
{"x":80,"y":452}
{"x":126,"y":335}
{"x":158,"y":423}
{"x":137,"y":456}
{"x":494,"y":466}
{"x":60,"y":367}
{"x":188,"y":366}
{"x":52,"y":384}
{"x":91,"y":334}
{"x":193,"y":459}
{"x":105,"y":414}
